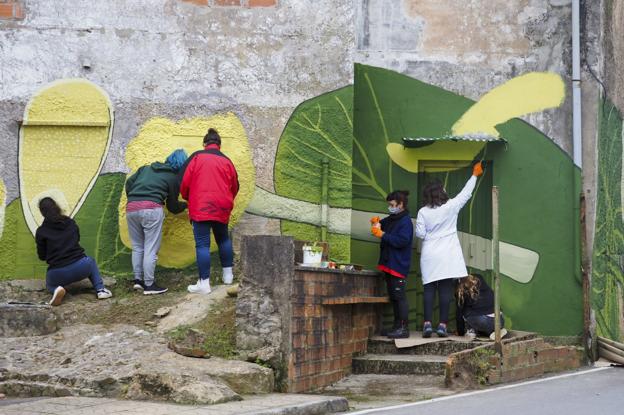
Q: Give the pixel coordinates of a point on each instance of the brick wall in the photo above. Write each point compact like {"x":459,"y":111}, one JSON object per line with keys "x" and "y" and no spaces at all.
{"x":234,"y":3}
{"x":521,"y":359}
{"x":11,"y":10}
{"x":326,"y":336}
{"x":306,"y":323}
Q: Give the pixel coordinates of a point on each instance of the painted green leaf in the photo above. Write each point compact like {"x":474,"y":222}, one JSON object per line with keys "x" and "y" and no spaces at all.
{"x":99,"y":226}
{"x":318,"y":129}
{"x":608,"y":241}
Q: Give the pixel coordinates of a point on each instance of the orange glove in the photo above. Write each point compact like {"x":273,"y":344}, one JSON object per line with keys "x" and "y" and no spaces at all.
{"x":477,"y":169}
{"x":375,"y":220}
{"x":377,"y":232}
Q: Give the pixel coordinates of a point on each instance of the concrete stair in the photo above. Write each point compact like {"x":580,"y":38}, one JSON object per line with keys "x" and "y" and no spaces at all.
{"x":399,"y":364}
{"x":385,"y":358}
{"x":384,"y":345}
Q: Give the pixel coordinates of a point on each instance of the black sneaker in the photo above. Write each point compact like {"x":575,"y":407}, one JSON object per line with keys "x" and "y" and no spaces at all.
{"x":138,"y":285}
{"x":153,"y":289}
{"x":400,"y":333}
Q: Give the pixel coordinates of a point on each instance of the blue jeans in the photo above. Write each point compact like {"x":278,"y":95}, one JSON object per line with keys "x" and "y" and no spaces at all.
{"x":483,"y":324}
{"x":76,"y":271}
{"x":201,"y":231}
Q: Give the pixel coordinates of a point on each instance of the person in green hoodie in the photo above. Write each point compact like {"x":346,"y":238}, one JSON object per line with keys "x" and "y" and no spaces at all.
{"x":151,"y":187}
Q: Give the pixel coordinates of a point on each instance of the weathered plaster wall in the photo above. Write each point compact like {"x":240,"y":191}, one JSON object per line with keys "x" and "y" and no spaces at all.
{"x":177,"y":60}
{"x":469,"y":47}
{"x":254,"y":60}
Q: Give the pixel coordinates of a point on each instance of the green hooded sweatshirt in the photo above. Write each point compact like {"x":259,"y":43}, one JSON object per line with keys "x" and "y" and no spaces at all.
{"x":157,"y":183}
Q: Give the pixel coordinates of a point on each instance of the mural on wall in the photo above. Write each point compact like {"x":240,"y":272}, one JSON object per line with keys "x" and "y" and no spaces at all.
{"x":318,"y":131}
{"x":534,"y":175}
{"x":339,"y":155}
{"x":608,"y":254}
{"x":64,"y":139}
{"x":156,"y":140}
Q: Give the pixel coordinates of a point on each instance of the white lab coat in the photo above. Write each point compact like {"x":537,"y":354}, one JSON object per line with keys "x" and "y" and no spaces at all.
{"x":441,"y":255}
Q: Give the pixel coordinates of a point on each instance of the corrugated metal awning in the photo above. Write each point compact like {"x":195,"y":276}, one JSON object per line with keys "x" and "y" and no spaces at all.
{"x":422,"y":141}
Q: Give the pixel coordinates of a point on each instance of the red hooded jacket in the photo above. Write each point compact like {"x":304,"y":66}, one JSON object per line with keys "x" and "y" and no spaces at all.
{"x":210,"y":184}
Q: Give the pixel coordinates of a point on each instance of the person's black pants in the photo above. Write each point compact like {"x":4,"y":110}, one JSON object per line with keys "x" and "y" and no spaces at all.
{"x":445,"y":295}
{"x":396,"y":292}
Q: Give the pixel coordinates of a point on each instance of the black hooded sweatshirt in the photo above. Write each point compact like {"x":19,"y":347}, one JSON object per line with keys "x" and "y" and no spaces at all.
{"x":58,"y":243}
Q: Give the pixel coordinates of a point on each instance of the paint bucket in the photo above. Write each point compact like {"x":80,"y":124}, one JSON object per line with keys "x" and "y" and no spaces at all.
{"x":312,"y":255}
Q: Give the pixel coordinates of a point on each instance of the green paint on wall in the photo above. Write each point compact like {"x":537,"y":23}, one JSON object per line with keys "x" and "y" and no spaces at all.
{"x":339,"y":245}
{"x":99,"y":226}
{"x":534,"y":175}
{"x":18,"y":254}
{"x":607,"y":275}
{"x":318,"y":129}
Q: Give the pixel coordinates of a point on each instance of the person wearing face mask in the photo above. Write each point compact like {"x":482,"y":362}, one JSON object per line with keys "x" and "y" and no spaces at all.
{"x":441,"y":259}
{"x":396,"y":233}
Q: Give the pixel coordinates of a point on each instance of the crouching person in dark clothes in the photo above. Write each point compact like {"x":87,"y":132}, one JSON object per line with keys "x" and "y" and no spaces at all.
{"x":58,"y":243}
{"x":475,"y":308}
{"x":396,"y":233}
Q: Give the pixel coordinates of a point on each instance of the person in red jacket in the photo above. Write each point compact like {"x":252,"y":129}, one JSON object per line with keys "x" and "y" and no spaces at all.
{"x":210,"y":184}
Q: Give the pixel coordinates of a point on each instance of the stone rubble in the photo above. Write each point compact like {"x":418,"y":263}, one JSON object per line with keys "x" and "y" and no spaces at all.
{"x":121,"y":361}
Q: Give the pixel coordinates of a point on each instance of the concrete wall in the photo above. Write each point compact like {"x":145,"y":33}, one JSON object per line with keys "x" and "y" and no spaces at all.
{"x":251,"y":60}
{"x":469,"y":47}
{"x":176,"y":59}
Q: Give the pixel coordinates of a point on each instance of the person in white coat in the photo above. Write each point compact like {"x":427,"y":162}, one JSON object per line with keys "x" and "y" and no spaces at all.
{"x":441,"y":259}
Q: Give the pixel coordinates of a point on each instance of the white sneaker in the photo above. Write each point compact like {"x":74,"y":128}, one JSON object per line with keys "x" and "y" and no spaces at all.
{"x":228,"y":276}
{"x":57,"y":297}
{"x":471,"y":334}
{"x":202,"y":287}
{"x":103,"y":294}
{"x":503,"y":334}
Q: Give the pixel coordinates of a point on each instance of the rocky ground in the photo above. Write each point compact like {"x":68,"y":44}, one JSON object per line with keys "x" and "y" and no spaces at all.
{"x":118,"y":348}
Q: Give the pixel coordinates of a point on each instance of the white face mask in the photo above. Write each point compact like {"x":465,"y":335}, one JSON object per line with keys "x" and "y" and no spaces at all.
{"x":394,"y":210}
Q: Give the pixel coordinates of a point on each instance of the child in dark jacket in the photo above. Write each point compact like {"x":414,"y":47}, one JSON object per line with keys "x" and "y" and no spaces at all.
{"x":396,"y":233}
{"x":475,"y":308}
{"x":58,"y":243}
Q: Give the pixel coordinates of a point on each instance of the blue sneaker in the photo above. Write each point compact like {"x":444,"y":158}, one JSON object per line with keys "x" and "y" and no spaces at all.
{"x":427,"y":330}
{"x":441,"y":330}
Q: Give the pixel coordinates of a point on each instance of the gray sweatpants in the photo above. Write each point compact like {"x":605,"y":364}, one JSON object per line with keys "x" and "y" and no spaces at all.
{"x":145,"y":229}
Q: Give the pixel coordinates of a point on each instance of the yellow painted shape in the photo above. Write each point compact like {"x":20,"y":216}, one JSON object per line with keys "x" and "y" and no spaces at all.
{"x":408,"y":158}
{"x":2,"y":207}
{"x":156,"y":140}
{"x":533,"y":92}
{"x":63,"y":143}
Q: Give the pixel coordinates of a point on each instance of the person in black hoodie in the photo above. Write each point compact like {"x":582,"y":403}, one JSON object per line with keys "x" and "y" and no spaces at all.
{"x":475,"y":308}
{"x":58,"y":243}
{"x":396,"y":232}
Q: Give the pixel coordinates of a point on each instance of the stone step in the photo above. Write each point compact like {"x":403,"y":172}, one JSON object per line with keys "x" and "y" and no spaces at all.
{"x":399,"y":364}
{"x":384,"y":345}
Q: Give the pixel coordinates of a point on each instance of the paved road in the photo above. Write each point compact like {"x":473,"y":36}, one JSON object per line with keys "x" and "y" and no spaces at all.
{"x":594,"y":391}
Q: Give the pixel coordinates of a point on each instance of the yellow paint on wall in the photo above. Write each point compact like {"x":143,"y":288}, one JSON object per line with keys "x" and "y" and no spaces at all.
{"x":408,"y":158}
{"x":2,"y":207}
{"x":519,"y":96}
{"x":156,"y":140}
{"x":63,"y":142}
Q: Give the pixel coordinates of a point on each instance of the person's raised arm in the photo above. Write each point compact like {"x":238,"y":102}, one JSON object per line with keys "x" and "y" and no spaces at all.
{"x":464,"y":196}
